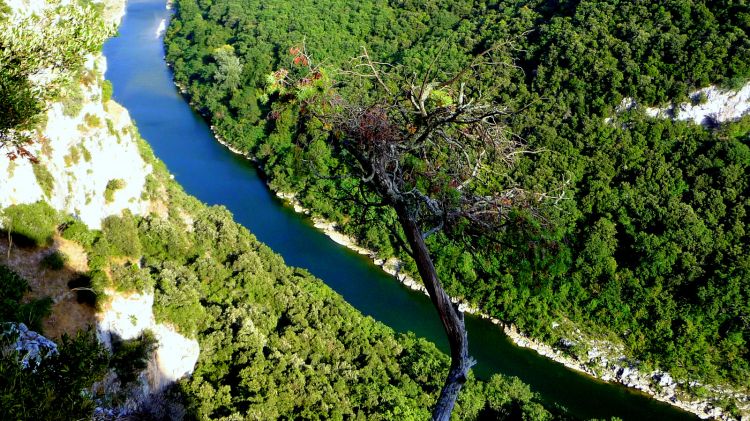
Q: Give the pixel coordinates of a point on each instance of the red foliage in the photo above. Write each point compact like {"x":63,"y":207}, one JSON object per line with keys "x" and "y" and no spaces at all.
{"x":301,"y":60}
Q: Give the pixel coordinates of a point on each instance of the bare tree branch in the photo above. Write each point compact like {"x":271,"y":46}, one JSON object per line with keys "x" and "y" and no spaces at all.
{"x":427,"y":152}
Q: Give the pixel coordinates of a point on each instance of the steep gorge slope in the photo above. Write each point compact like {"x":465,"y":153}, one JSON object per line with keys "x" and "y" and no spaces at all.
{"x":274,"y":341}
{"x":643,"y":268}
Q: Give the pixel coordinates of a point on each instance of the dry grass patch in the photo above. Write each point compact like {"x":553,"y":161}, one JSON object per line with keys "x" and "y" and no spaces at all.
{"x":67,"y":316}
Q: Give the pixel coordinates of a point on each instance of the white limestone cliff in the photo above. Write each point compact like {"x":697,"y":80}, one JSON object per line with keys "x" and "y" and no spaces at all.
{"x":127,"y":316}
{"x":90,"y":166}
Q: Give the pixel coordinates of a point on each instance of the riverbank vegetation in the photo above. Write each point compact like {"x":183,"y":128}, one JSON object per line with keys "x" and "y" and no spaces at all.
{"x":275,"y":341}
{"x":651,"y":252}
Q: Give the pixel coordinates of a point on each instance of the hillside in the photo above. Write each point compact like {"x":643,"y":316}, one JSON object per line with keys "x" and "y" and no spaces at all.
{"x":643,"y":265}
{"x":105,"y":255}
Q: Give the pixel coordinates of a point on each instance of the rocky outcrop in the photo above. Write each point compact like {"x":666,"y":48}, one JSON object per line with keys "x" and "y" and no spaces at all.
{"x":708,"y":106}
{"x":127,"y":316}
{"x":31,"y":346}
{"x":90,"y":165}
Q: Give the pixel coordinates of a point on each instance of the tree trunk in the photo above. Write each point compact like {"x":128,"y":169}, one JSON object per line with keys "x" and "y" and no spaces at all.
{"x":450,"y":316}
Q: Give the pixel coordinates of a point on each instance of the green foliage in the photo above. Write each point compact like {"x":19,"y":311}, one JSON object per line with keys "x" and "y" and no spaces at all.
{"x":92,"y":120}
{"x":275,"y":342}
{"x":130,"y":357}
{"x":106,"y":91}
{"x":129,"y":278}
{"x":651,"y":250}
{"x":57,"y":388}
{"x":72,"y":98}
{"x":73,"y":156}
{"x":59,"y":37}
{"x":44,"y":178}
{"x":178,"y":298}
{"x":31,"y":224}
{"x":86,"y":153}
{"x":77,"y":231}
{"x":12,"y":289}
{"x":19,"y":106}
{"x":120,"y":236}
{"x":55,"y":260}
{"x":112,"y":187}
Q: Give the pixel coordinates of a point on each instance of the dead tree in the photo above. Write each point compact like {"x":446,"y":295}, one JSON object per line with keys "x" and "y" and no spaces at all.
{"x":428,"y":149}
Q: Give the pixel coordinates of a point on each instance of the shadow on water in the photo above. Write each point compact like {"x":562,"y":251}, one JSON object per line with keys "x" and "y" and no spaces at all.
{"x":143,"y":84}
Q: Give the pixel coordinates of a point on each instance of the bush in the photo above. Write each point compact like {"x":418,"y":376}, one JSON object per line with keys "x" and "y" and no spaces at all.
{"x":55,"y":260}
{"x":78,"y":231}
{"x":112,"y":187}
{"x":73,"y":157}
{"x":178,"y":299}
{"x":92,"y":120}
{"x":72,"y":99}
{"x":56,"y":389}
{"x":31,"y":224}
{"x":12,"y":289}
{"x":86,"y":153}
{"x":106,"y":90}
{"x":44,"y":178}
{"x":121,"y":235}
{"x":130,"y":357}
{"x":132,"y":278}
{"x":699,"y":99}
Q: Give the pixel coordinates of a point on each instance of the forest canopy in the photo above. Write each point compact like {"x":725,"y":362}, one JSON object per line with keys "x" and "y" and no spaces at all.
{"x":652,"y":252}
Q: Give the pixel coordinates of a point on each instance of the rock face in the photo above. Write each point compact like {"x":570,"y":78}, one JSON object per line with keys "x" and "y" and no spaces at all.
{"x":89,"y":166}
{"x":709,"y":106}
{"x":127,"y":316}
{"x":31,"y":346}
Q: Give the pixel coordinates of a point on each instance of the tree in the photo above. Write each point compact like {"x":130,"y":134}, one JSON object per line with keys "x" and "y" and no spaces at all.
{"x":229,"y":73}
{"x":38,"y":53}
{"x":425,"y":149}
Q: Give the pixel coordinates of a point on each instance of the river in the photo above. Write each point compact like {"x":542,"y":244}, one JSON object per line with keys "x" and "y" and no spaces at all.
{"x":143,"y":84}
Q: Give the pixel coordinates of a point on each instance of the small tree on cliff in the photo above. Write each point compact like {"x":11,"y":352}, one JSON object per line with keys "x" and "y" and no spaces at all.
{"x":38,"y":54}
{"x":431,"y":150}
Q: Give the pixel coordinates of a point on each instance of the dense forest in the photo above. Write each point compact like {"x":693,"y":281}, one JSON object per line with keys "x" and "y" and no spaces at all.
{"x":275,"y":342}
{"x":651,"y":251}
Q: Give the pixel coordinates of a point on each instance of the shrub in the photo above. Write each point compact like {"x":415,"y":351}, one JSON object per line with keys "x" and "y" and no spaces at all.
{"x":55,"y":260}
{"x":106,"y":90}
{"x":178,"y":299}
{"x":73,"y":156}
{"x":92,"y":120}
{"x":121,"y":235}
{"x":699,"y":99}
{"x":31,"y":224}
{"x":72,"y":99}
{"x":44,"y":178}
{"x":163,"y":240}
{"x":132,"y":278}
{"x":86,"y":154}
{"x":78,"y":231}
{"x":99,"y":281}
{"x":12,"y":289}
{"x":112,"y":187}
{"x":111,"y":129}
{"x":55,"y":389}
{"x":130,"y":357}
